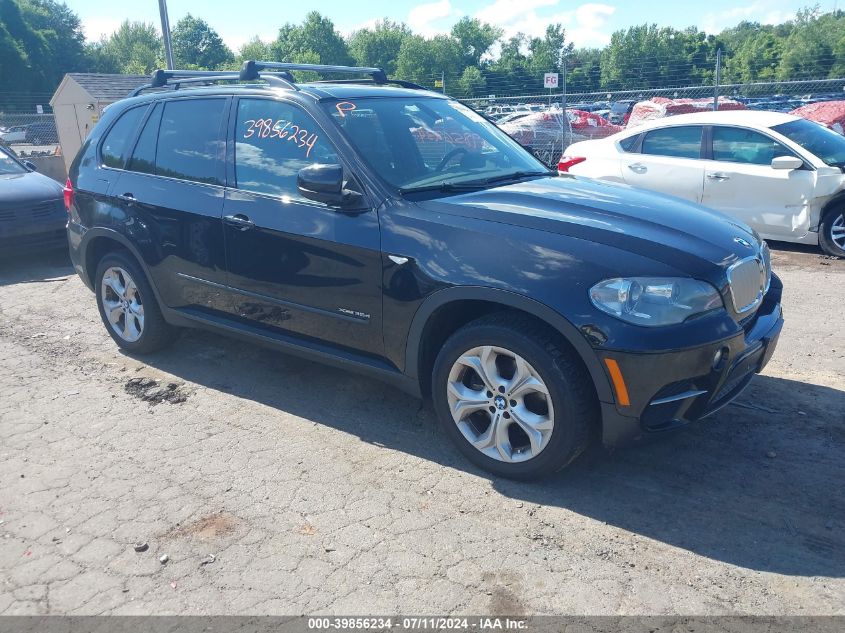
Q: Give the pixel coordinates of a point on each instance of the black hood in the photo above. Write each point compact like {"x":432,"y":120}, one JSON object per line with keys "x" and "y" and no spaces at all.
{"x":18,"y":190}
{"x":663,"y":228}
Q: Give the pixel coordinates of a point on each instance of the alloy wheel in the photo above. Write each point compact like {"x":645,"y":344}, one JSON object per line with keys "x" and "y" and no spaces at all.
{"x":500,"y":404}
{"x":122,"y":304}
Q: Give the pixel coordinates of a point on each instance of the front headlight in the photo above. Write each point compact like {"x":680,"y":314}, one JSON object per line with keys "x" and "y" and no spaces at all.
{"x":655,"y":301}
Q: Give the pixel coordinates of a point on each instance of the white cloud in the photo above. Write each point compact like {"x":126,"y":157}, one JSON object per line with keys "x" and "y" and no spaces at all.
{"x":431,"y":18}
{"x":759,"y":11}
{"x":585,"y":25}
{"x":99,"y":27}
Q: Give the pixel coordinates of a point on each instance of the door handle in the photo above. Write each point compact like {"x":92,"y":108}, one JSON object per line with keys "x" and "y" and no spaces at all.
{"x":720,"y":176}
{"x":239,"y":221}
{"x":127,"y":197}
{"x":638,"y":168}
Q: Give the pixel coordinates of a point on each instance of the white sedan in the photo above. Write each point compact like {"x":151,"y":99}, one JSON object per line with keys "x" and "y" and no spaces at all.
{"x":783,"y":175}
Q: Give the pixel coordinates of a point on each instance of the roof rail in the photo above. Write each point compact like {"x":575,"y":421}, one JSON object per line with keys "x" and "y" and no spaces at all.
{"x":252,"y":68}
{"x":279,"y":75}
{"x":175,"y":78}
{"x":396,"y":82}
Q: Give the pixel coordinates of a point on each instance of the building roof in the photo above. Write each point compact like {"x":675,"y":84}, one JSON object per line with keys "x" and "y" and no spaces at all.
{"x":109,"y":87}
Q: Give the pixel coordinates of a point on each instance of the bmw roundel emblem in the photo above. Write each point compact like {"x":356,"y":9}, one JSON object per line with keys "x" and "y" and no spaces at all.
{"x":739,"y":240}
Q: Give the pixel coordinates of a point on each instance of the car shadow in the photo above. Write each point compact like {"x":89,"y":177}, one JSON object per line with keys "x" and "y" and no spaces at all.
{"x":757,"y":485}
{"x":35,"y":266}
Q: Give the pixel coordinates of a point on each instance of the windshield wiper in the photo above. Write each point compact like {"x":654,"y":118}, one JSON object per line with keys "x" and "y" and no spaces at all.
{"x":445,"y":187}
{"x":516,"y":175}
{"x":469,"y":185}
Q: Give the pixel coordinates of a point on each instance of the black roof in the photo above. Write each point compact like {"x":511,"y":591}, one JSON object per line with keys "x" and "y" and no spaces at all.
{"x":109,"y":87}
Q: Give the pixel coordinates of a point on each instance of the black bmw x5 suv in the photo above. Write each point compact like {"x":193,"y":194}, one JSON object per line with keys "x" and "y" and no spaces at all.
{"x":375,"y":225}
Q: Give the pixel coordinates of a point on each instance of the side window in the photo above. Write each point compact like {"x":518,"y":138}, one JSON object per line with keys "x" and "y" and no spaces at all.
{"x":115,"y":147}
{"x":144,"y":157}
{"x":737,"y":145}
{"x":189,"y":143}
{"x":682,"y":141}
{"x":628,"y":144}
{"x":273,"y":141}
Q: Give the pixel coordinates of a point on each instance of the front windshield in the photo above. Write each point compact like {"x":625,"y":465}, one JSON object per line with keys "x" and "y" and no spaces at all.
{"x":817,"y":139}
{"x":416,"y":143}
{"x":9,"y":165}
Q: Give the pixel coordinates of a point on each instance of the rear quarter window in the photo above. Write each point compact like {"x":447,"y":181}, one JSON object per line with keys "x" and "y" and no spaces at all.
{"x":116,"y":144}
{"x":629,"y":144}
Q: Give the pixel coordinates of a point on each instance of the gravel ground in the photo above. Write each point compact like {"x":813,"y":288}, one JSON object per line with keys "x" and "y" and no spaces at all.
{"x":275,"y":485}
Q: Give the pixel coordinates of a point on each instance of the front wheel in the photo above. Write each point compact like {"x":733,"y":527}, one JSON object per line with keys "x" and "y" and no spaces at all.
{"x":515,"y":401}
{"x":832,"y":232}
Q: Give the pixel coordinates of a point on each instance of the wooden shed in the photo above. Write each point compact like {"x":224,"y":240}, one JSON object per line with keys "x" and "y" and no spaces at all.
{"x":79,"y":101}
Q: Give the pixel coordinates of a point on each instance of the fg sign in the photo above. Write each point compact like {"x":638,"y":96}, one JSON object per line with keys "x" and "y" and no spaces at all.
{"x":550,"y":80}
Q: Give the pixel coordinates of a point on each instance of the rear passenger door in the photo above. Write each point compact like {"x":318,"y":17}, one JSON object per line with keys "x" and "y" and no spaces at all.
{"x":298,"y":267}
{"x":171,"y":191}
{"x":669,"y":161}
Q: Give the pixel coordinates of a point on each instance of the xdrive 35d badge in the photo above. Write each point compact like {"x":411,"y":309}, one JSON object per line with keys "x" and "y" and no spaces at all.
{"x":386,"y":229}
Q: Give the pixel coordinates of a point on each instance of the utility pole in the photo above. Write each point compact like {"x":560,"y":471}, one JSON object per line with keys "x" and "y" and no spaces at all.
{"x":165,"y":33}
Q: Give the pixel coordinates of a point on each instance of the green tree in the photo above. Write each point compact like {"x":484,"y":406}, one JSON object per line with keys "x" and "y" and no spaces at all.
{"x":256,"y":48}
{"x":24,"y":52}
{"x":472,"y":82}
{"x":197,"y":45}
{"x":135,"y":47}
{"x":475,"y":38}
{"x":63,"y":37}
{"x":379,"y":46}
{"x":424,"y":60}
{"x":316,"y":38}
{"x":549,"y":51}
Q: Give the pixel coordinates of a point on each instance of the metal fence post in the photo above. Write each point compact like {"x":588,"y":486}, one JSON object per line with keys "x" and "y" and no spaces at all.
{"x":563,"y":91}
{"x":718,"y":79}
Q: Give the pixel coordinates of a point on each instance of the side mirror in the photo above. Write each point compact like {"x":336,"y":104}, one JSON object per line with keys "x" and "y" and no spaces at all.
{"x":787,"y":162}
{"x":324,"y":183}
{"x":30,"y":165}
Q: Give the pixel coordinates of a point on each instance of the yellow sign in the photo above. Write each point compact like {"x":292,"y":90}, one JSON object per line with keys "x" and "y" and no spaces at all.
{"x":438,"y":83}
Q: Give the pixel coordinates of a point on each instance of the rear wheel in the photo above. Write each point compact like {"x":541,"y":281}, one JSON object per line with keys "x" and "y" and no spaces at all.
{"x":128,"y":306}
{"x":832,"y":232}
{"x":513,"y":399}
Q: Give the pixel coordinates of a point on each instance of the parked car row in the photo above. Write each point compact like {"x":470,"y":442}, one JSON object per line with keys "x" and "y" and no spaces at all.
{"x":43,"y":133}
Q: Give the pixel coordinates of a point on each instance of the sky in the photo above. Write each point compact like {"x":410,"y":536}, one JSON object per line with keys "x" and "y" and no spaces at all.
{"x":586,"y":23}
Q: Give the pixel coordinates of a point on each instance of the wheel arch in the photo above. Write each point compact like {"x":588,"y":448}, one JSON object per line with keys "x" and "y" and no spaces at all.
{"x":444,"y":312}
{"x":98,"y":242}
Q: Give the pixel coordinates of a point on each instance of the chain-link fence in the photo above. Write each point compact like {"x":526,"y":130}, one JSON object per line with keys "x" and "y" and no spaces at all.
{"x":27,"y":124}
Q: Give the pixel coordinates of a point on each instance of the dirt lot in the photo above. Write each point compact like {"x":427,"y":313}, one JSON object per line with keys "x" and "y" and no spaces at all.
{"x":275,"y":485}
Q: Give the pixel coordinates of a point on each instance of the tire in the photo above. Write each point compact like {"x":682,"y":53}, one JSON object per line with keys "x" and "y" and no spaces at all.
{"x":831,"y":231}
{"x":569,"y":403}
{"x":146,"y":330}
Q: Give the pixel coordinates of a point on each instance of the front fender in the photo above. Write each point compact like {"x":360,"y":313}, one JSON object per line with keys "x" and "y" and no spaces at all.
{"x":508,"y":299}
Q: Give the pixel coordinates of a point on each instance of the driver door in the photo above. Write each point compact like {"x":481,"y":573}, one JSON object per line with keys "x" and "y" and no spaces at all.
{"x":296,"y":266}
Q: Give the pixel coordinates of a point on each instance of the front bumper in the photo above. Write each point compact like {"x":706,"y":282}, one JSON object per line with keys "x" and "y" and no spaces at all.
{"x":32,"y":226}
{"x":669,"y":390}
